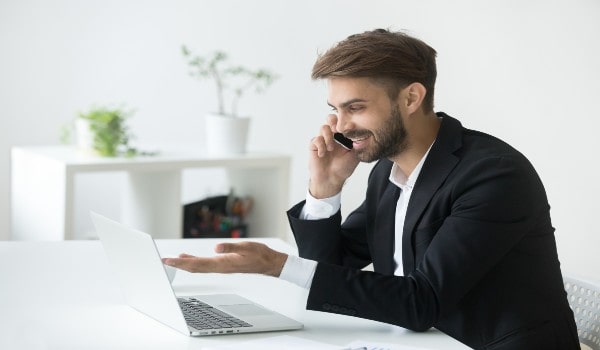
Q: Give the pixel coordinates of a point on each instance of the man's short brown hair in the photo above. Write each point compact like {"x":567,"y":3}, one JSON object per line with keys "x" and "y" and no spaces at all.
{"x":394,"y":59}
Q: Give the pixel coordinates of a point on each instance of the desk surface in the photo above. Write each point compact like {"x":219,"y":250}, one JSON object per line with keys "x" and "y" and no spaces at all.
{"x":63,"y":295}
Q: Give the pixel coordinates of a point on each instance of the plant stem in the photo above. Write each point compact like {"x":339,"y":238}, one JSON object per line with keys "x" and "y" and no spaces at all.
{"x":219,"y":84}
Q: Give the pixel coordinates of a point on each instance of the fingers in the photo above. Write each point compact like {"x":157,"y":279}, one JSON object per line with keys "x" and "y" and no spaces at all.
{"x":324,"y":142}
{"x":196,"y":264}
{"x":328,"y":131}
{"x":332,"y":121}
{"x":242,"y":248}
{"x":234,"y":257}
{"x":243,"y":257}
{"x":190,"y":263}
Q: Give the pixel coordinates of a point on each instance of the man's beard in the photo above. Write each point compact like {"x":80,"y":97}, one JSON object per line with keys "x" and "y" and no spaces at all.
{"x":390,"y":140}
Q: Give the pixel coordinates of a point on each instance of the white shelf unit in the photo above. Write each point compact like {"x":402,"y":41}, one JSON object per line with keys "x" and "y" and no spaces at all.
{"x":43,"y":190}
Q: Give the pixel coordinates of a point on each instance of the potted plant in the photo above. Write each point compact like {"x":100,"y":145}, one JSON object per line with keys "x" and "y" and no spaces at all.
{"x":103,"y":131}
{"x":226,"y":130}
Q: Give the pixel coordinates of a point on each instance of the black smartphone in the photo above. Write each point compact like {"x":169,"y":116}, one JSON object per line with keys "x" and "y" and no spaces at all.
{"x":342,"y":140}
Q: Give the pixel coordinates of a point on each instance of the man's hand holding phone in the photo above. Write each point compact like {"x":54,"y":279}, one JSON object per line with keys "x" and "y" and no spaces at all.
{"x":330,"y":163}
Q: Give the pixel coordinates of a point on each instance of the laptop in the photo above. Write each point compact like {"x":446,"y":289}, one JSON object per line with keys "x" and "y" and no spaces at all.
{"x":145,"y":284}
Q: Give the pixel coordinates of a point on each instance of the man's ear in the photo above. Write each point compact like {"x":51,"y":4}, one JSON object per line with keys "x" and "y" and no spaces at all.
{"x":412,"y":97}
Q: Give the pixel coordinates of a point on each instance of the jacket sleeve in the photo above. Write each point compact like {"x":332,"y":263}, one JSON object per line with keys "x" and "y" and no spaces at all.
{"x":326,"y":240}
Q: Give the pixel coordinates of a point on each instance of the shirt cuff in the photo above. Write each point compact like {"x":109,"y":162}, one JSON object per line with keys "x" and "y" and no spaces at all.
{"x":316,"y":209}
{"x":298,"y":271}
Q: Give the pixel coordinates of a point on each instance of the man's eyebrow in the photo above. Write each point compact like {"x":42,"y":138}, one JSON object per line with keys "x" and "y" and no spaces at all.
{"x":347,"y":103}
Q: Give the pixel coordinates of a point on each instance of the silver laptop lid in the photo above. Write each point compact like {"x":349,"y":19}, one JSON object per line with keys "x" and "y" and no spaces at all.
{"x":142,"y":276}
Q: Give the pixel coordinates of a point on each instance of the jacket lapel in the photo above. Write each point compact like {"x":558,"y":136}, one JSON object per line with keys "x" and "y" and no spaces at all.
{"x":384,"y":232}
{"x":437,"y":166}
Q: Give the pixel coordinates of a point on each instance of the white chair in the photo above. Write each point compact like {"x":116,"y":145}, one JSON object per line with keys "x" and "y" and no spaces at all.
{"x":584,"y":299}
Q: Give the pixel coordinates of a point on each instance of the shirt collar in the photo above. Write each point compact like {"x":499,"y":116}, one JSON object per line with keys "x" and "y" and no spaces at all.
{"x":398,"y":178}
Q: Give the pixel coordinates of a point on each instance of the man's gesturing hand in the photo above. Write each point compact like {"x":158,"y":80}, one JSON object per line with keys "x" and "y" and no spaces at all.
{"x":244,"y":257}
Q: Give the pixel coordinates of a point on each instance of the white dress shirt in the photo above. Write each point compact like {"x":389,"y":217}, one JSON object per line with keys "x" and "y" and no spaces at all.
{"x":300,"y":271}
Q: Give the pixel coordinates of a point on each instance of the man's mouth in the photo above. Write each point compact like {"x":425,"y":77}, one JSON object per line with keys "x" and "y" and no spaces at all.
{"x":359,"y":142}
{"x":359,"y":139}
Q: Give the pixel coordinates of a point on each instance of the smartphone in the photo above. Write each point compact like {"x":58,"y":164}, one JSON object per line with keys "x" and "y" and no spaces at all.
{"x":342,"y":140}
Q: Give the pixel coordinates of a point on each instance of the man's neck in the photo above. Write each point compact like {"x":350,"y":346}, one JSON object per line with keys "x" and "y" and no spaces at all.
{"x":422,"y":132}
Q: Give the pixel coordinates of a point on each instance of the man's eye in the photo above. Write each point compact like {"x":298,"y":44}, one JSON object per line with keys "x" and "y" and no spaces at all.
{"x":355,"y":108}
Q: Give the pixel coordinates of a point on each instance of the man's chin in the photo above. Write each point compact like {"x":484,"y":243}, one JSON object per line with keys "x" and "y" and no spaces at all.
{"x":365,"y":157}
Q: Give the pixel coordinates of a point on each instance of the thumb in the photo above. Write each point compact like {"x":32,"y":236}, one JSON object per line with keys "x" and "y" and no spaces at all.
{"x":227,"y":248}
{"x":239,"y":248}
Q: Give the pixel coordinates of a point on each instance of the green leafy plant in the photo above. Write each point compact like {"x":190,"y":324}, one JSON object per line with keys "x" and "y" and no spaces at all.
{"x":111,"y":136}
{"x":230,"y":80}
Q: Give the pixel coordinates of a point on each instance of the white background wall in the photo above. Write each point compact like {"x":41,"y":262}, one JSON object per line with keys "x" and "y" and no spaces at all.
{"x":526,"y":71}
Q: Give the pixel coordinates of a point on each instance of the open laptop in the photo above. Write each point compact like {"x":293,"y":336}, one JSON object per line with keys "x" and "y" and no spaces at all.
{"x":143,"y":278}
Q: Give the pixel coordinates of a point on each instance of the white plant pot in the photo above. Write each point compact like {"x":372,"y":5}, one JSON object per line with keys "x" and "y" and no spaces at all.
{"x":84,"y":137}
{"x":226,"y":135}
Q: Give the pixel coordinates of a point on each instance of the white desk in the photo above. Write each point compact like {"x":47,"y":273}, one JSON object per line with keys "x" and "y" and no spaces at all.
{"x":43,"y":190}
{"x":63,"y":295}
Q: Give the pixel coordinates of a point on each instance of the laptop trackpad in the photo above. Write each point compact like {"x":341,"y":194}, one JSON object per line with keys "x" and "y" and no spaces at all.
{"x":245,"y":310}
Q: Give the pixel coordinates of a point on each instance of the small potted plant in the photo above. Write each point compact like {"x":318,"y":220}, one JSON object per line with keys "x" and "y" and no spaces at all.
{"x":103,"y":131}
{"x":226,"y":130}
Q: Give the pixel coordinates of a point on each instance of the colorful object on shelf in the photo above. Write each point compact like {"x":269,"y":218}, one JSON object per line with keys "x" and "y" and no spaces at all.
{"x":217,"y":217}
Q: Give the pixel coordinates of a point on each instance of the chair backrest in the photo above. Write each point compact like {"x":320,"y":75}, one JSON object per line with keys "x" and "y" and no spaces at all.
{"x":584,"y":299}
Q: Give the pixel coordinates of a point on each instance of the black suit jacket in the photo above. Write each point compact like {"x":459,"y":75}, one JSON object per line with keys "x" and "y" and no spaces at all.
{"x":479,"y":254}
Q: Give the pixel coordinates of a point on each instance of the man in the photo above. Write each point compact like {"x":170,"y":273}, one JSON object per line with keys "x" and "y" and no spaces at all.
{"x":455,"y":222}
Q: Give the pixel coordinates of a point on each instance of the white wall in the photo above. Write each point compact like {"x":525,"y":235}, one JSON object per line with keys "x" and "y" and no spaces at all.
{"x":526,"y":71}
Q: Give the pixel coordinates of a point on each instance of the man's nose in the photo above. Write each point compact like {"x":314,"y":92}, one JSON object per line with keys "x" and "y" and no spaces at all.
{"x":344,"y":122}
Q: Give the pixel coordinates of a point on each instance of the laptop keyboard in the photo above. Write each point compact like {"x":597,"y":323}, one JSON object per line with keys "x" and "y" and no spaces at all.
{"x":203,"y":316}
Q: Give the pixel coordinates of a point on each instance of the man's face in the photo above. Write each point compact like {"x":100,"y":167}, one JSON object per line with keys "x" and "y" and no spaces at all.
{"x":368,"y":117}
